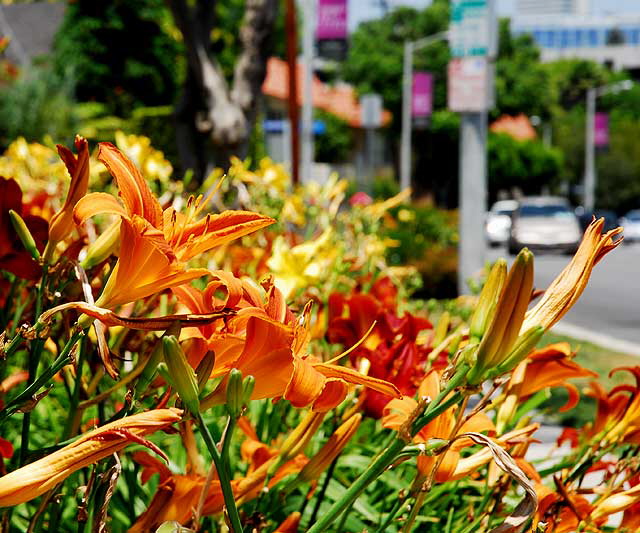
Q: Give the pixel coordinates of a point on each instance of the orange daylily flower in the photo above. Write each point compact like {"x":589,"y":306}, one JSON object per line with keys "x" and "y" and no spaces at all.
{"x":177,"y":495}
{"x":565,"y":290}
{"x":397,"y":412}
{"x":61,"y":224}
{"x":38,"y":477}
{"x":146,"y":266}
{"x":560,"y":515}
{"x":226,"y":291}
{"x":552,"y":366}
{"x":274,"y":354}
{"x":183,"y":234}
{"x":618,"y":413}
{"x":549,"y":367}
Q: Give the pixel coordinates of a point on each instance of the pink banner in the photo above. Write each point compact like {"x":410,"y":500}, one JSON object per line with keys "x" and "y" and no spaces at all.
{"x":601,"y":129}
{"x":332,"y":19}
{"x":422,"y":94}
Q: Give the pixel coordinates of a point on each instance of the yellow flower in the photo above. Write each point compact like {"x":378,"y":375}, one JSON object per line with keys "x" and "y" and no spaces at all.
{"x":42,"y":475}
{"x":303,"y":265}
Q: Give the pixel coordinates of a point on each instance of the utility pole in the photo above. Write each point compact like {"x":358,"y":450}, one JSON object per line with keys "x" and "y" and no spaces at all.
{"x":307,"y":100}
{"x":589,"y":154}
{"x":405,"y":139}
{"x":407,"y":85}
{"x":472,"y":195}
{"x":590,"y":177}
{"x":473,"y":45}
{"x":294,"y":114}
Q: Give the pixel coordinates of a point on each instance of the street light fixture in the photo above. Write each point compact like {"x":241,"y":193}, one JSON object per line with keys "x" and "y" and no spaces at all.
{"x":589,"y":184}
{"x":407,"y":81}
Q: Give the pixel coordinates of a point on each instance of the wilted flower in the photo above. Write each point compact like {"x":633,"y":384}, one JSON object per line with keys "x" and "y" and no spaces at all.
{"x":38,"y":477}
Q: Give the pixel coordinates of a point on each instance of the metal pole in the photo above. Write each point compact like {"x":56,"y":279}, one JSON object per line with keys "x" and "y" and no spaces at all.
{"x":307,"y":100}
{"x":473,"y":199}
{"x":405,"y":140}
{"x":294,"y":113}
{"x":589,"y":185}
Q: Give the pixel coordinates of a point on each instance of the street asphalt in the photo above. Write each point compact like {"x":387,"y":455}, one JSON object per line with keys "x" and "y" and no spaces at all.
{"x":609,"y":308}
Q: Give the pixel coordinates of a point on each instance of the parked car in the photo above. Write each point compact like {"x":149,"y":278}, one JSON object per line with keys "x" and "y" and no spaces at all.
{"x":631,"y":224}
{"x":544,"y":223}
{"x":498,"y":222}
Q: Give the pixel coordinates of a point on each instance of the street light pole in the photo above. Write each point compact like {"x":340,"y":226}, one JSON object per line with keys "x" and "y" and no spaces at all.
{"x":590,"y":175}
{"x":405,"y":140}
{"x":407,"y":81}
{"x":589,"y":185}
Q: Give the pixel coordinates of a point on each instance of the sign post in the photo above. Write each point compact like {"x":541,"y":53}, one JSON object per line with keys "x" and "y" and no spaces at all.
{"x":473,"y":42}
{"x":371,"y":120}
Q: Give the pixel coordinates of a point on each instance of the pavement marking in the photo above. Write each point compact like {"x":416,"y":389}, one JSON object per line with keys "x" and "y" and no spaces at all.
{"x":601,"y":339}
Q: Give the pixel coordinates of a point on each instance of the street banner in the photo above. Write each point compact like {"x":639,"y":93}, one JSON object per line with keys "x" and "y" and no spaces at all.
{"x":422,"y":94}
{"x":332,"y":19}
{"x":331,"y":29}
{"x":601,"y":129}
{"x":469,"y":84}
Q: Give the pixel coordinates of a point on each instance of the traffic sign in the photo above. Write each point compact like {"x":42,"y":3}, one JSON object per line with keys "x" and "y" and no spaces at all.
{"x":472,"y":29}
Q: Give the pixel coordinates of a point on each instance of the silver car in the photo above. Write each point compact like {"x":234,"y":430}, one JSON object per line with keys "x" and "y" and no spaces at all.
{"x":631,"y":224}
{"x":544,"y":223}
{"x":498,"y":222}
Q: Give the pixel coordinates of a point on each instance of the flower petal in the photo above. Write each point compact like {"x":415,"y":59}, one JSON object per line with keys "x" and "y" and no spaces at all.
{"x":135,"y":193}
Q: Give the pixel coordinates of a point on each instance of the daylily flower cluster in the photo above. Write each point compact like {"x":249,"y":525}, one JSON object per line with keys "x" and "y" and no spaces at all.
{"x":197,"y":368}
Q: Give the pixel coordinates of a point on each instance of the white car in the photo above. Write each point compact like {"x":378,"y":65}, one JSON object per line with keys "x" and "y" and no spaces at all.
{"x":544,"y":223}
{"x":498,"y":224}
{"x":631,"y":224}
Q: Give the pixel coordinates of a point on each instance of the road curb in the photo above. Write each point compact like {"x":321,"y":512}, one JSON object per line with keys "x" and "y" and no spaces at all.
{"x":601,"y":339}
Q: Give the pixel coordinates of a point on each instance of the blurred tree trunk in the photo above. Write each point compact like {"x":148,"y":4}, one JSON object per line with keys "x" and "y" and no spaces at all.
{"x":214,"y":120}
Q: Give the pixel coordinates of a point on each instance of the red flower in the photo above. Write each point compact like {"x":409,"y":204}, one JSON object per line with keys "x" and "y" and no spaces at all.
{"x":391,"y":348}
{"x":13,"y":256}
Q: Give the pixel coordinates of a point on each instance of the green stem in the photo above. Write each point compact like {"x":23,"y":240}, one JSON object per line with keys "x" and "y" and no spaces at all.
{"x":75,"y":395}
{"x":33,"y":363}
{"x":379,"y":465}
{"x":225,"y":482}
{"x":62,"y":360}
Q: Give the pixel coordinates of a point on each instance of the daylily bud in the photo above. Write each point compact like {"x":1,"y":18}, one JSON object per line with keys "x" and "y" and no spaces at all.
{"x":330,"y":450}
{"x":440,"y":331}
{"x":247,"y":389}
{"x":181,"y":375}
{"x":203,"y":371}
{"x":25,"y":235}
{"x":504,"y":328}
{"x":525,"y":343}
{"x":488,"y":300}
{"x":150,"y":369}
{"x":301,"y":435}
{"x":616,"y":503}
{"x":102,"y":247}
{"x":234,"y":393}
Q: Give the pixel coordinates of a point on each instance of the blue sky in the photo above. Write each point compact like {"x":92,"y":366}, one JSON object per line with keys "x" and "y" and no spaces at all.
{"x":367,"y":9}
